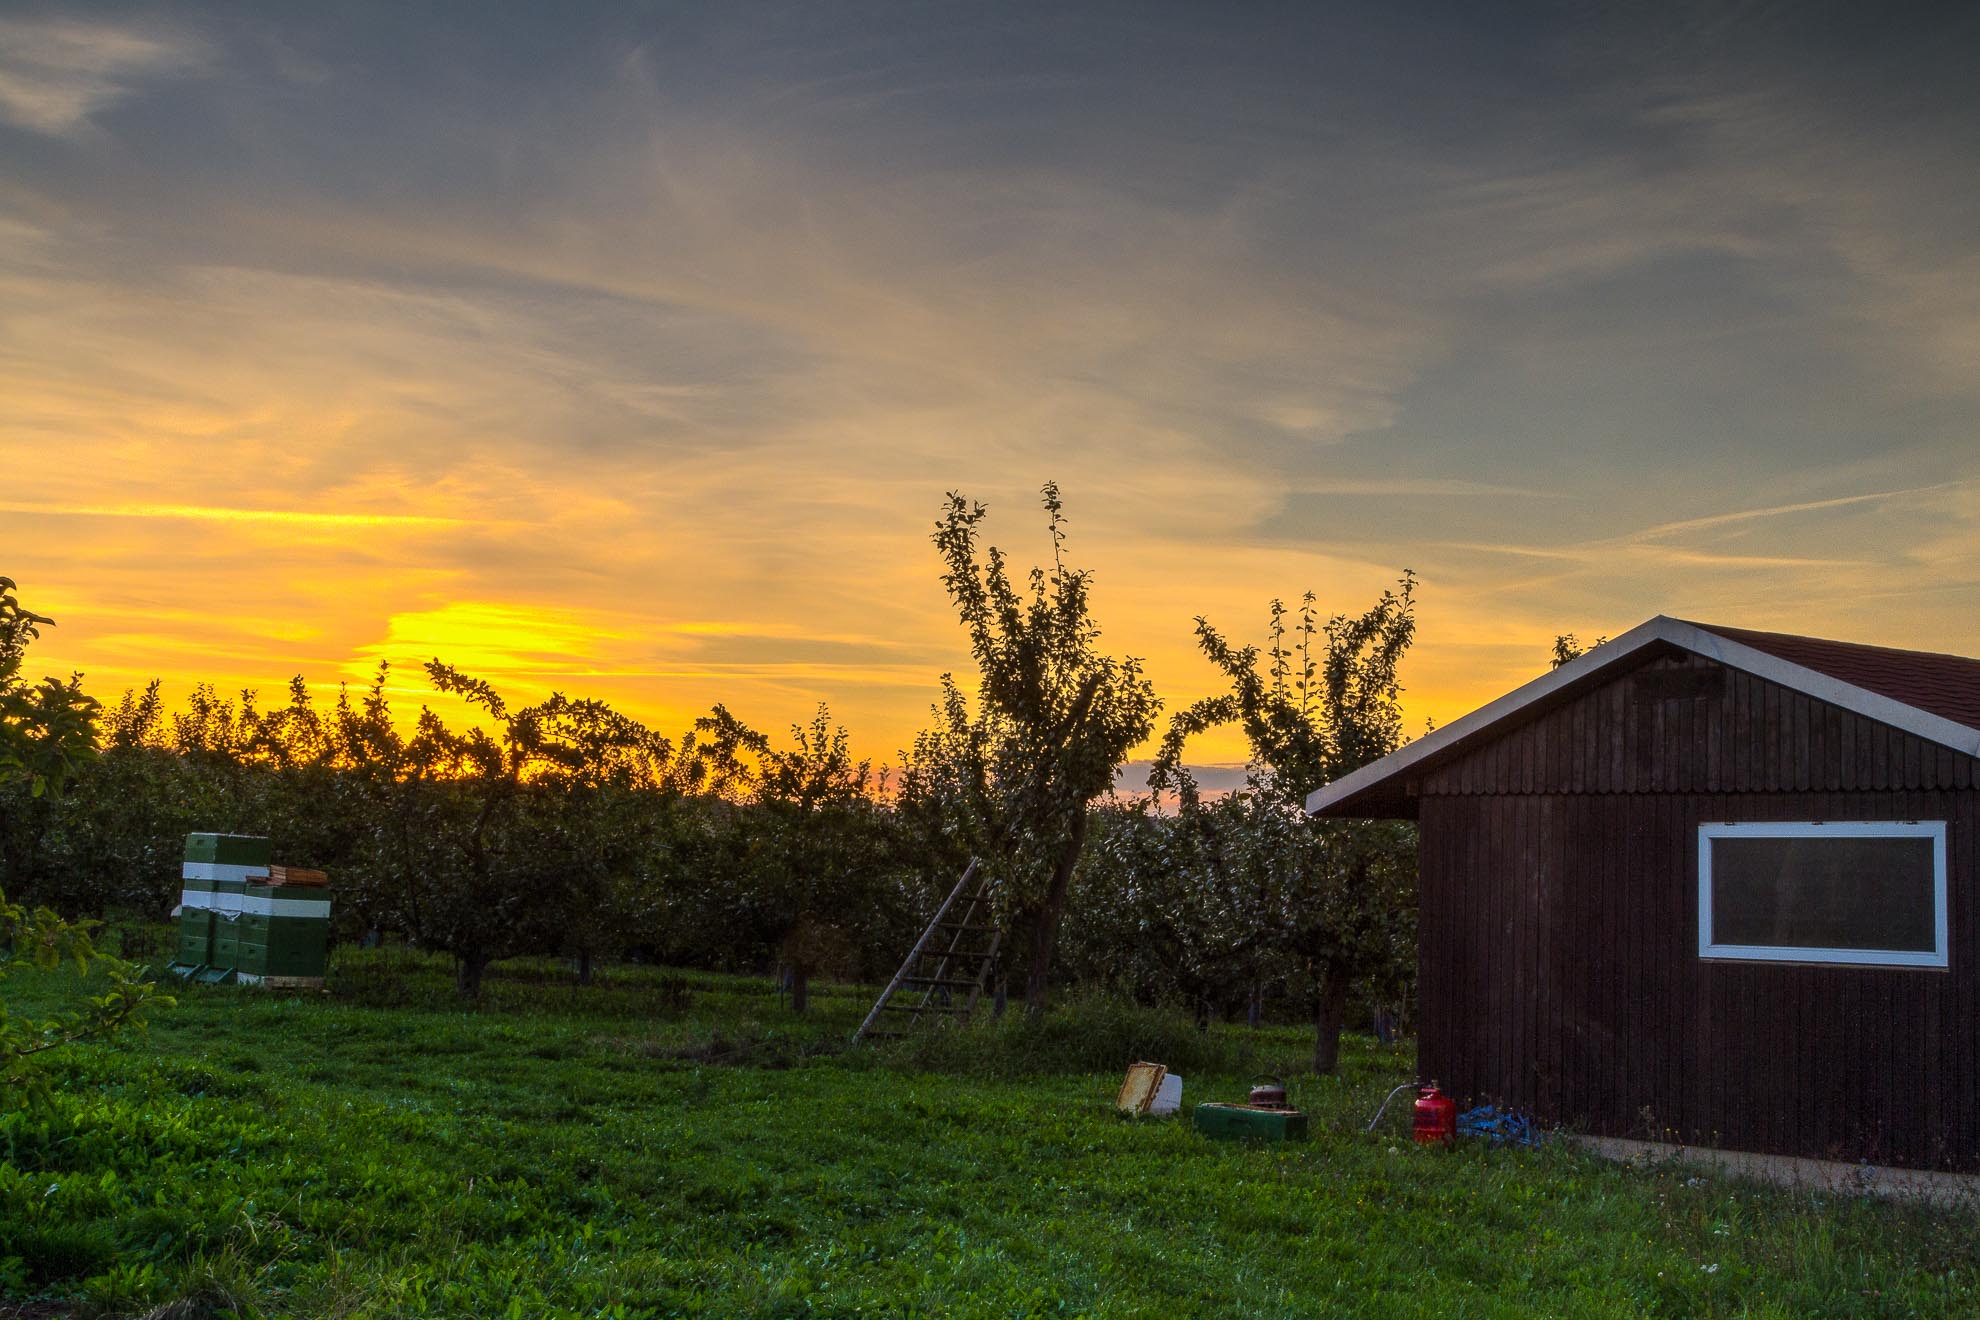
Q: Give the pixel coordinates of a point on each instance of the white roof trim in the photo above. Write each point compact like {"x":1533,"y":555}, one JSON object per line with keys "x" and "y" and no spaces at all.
{"x":1737,"y":655}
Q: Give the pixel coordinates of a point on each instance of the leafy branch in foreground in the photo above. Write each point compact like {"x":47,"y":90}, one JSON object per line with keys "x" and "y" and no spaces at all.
{"x":45,"y":732}
{"x":39,"y":938}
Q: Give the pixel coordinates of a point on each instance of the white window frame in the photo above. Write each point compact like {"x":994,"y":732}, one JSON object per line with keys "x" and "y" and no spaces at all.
{"x":1934,"y":830}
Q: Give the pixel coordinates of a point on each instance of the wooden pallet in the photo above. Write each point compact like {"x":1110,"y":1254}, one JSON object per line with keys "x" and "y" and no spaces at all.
{"x":953,"y":956}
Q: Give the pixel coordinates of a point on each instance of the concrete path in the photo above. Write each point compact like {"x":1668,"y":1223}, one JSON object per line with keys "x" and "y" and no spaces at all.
{"x":1944,"y":1189}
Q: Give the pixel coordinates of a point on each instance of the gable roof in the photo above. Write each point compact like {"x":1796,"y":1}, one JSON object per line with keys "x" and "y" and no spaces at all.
{"x":1944,"y":685}
{"x":1936,"y":697}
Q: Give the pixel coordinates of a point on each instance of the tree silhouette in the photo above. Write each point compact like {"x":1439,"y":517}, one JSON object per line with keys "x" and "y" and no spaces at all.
{"x":1326,"y":702}
{"x":1053,"y":721}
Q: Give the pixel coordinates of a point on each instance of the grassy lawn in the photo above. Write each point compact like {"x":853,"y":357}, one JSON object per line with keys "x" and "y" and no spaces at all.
{"x":667,"y":1144}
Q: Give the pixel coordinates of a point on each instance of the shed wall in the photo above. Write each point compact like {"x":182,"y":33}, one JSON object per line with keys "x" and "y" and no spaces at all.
{"x":1559,"y":956}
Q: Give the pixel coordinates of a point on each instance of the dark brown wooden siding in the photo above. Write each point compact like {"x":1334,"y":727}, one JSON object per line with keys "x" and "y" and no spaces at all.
{"x":1690,"y":725}
{"x":1559,"y":951}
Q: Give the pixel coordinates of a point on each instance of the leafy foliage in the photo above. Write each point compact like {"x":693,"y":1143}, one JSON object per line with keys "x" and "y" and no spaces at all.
{"x":523,"y":822}
{"x":569,"y":828}
{"x":1309,"y":719}
{"x":816,"y":852}
{"x":1569,"y":647}
{"x":46,"y":730}
{"x":39,"y":938}
{"x":45,"y":733}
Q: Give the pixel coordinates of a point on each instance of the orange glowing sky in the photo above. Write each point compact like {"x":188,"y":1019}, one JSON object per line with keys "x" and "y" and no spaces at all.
{"x":631,"y":354}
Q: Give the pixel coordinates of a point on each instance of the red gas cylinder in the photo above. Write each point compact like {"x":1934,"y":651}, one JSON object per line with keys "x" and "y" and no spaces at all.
{"x":1436,"y":1116}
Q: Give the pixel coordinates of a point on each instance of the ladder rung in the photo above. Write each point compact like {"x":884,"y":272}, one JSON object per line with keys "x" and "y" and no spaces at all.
{"x":937,"y":981}
{"x":968,"y":930}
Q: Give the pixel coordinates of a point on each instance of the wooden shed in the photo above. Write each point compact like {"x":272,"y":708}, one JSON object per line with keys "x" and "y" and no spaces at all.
{"x":1707,"y":885}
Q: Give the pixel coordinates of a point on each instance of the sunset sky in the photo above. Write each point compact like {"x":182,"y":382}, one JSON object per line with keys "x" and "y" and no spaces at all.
{"x":628,"y":350}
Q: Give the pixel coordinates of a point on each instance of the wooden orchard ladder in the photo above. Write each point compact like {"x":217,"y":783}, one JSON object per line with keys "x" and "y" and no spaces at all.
{"x":951,"y":956}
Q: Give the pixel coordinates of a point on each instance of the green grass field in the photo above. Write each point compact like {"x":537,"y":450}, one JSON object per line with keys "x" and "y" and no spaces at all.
{"x":667,"y":1144}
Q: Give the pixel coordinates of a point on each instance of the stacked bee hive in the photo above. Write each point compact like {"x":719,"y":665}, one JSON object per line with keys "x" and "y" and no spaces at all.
{"x":242,"y":918}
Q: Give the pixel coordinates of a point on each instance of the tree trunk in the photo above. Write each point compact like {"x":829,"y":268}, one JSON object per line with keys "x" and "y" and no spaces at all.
{"x":1045,"y":928}
{"x":1254,"y":1009}
{"x":584,"y":967}
{"x":800,"y":988}
{"x":1328,"y":1012}
{"x":468,"y":972}
{"x":1001,"y":998}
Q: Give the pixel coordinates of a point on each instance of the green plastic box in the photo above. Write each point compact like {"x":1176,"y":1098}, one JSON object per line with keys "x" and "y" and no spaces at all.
{"x":1250,"y":1123}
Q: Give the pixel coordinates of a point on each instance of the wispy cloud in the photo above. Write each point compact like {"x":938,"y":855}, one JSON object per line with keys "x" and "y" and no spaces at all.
{"x":58,"y":72}
{"x":1663,"y":530}
{"x":1449,"y":488}
{"x":221,"y":514}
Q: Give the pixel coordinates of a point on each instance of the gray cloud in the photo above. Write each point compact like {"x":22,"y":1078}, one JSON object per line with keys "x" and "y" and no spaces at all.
{"x":57,"y":72}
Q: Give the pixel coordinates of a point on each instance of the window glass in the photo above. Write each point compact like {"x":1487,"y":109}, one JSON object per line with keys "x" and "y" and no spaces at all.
{"x":1825,"y":893}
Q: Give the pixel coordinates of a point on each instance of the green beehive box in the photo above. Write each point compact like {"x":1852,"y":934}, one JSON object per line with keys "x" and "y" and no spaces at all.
{"x":283,"y":933}
{"x":1250,"y":1123}
{"x":196,"y":921}
{"x":229,"y":849}
{"x":299,"y":947}
{"x":195,"y":937}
